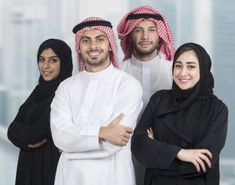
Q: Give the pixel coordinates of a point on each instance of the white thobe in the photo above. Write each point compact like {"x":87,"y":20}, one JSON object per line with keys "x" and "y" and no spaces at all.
{"x":82,"y":104}
{"x":154,"y":75}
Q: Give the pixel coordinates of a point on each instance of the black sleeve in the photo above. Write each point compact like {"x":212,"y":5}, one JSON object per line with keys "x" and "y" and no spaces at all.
{"x":21,"y":134}
{"x":12,"y":137}
{"x":215,"y":136}
{"x":151,"y":153}
{"x":214,"y":141}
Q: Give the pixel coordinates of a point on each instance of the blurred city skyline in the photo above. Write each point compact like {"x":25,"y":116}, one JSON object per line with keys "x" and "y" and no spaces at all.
{"x":24,"y":24}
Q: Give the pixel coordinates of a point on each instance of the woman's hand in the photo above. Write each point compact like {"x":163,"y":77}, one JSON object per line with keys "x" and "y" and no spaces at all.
{"x":198,"y":157}
{"x":38,"y":144}
{"x":150,"y":133}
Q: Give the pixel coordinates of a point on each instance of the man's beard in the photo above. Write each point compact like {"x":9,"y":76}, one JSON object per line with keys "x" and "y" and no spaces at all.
{"x":95,"y":62}
{"x":142,"y":52}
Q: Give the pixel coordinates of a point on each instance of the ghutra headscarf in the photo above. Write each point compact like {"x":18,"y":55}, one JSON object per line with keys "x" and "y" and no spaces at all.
{"x":133,"y":18}
{"x":95,"y":23}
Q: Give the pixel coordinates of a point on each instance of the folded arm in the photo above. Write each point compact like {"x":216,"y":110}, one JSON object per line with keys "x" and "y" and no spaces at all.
{"x":22,"y":134}
{"x":168,"y":159}
{"x":129,"y":103}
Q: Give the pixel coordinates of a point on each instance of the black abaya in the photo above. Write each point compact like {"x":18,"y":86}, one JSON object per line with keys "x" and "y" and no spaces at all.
{"x":37,"y":166}
{"x":173,"y":132}
{"x":190,"y":119}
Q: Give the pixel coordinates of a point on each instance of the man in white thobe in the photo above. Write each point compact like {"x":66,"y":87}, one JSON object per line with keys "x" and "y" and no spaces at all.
{"x":94,"y":112}
{"x":147,"y":44}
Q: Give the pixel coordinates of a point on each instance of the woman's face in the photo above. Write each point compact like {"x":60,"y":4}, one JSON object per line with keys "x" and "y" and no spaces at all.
{"x":49,"y":64}
{"x":186,"y":71}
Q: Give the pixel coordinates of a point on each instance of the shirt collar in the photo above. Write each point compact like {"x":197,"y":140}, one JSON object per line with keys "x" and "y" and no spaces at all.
{"x":149,"y":63}
{"x":99,"y":75}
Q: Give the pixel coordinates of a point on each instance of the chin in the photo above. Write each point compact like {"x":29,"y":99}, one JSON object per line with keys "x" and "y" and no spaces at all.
{"x":47,"y":78}
{"x":184,"y":87}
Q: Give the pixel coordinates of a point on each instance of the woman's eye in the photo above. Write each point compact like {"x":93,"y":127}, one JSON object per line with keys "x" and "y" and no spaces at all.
{"x":54,"y":60}
{"x":41,"y":60}
{"x":191,"y":67}
{"x":177,"y":66}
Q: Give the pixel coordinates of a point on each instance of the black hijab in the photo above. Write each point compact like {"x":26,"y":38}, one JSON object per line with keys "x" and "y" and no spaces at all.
{"x":181,"y":99}
{"x":44,"y":88}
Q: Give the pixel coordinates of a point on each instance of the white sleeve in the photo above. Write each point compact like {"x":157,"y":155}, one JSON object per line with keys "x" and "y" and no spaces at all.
{"x":66,"y":135}
{"x":130,"y":103}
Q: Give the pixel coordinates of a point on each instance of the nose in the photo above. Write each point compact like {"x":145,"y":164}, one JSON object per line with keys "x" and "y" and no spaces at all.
{"x":46,"y":64}
{"x":145,"y":34}
{"x":93,"y":44}
{"x":183,"y":71}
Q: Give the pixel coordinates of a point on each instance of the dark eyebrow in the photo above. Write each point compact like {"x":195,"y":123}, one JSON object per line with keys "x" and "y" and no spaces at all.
{"x":152,"y":26}
{"x":188,"y":62}
{"x":49,"y":57}
{"x":178,"y":62}
{"x":85,"y":37}
{"x":99,"y":36}
{"x":137,"y":27}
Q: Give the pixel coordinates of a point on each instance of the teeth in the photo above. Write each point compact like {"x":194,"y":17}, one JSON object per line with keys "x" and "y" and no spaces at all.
{"x":94,"y":53}
{"x":184,"y":81}
{"x":46,"y":73}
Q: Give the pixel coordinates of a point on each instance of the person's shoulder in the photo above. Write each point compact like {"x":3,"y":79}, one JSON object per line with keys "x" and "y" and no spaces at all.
{"x":161,"y":94}
{"x":219,"y":104}
{"x":125,"y":64}
{"x":164,"y":92}
{"x":70,"y":81}
{"x":160,"y":97}
{"x":162,"y":56}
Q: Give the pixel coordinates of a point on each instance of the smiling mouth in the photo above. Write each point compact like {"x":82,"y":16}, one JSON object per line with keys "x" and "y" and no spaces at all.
{"x":94,"y":53}
{"x":46,"y":73}
{"x":184,"y":81}
{"x":144,"y":43}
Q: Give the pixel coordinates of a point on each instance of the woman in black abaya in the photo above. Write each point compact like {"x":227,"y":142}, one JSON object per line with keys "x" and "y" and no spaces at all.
{"x":182,"y":131}
{"x":30,"y":130}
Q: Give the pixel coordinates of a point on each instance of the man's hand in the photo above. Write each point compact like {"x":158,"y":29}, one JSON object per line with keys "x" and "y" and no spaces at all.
{"x":38,"y":144}
{"x":115,"y":133}
{"x":198,"y":157}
